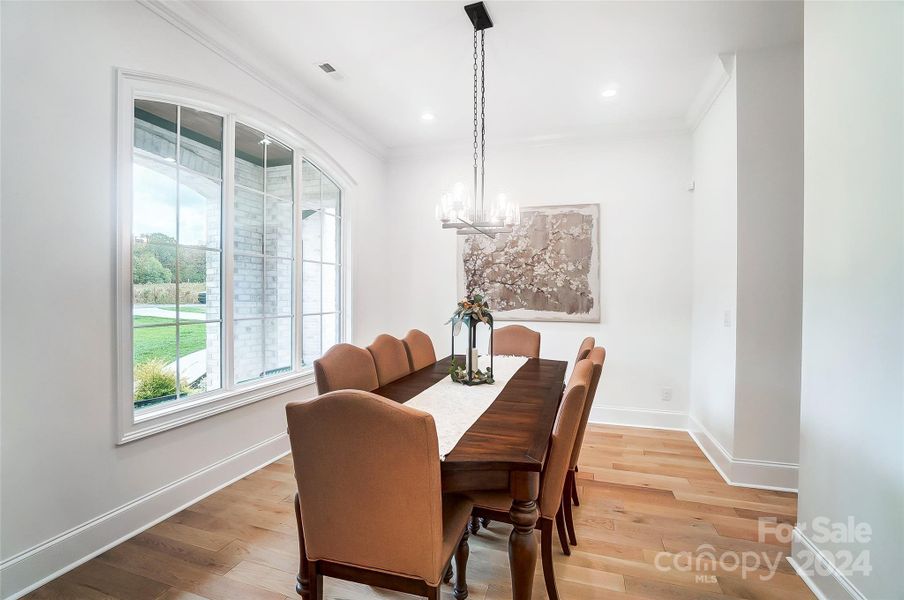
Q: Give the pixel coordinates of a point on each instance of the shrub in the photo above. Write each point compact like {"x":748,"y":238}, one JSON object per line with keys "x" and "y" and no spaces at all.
{"x":147,"y":269}
{"x":153,"y":380}
{"x":165,"y":293}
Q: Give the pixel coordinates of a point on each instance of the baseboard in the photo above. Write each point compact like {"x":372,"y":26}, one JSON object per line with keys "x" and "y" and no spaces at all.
{"x":639,"y":417}
{"x":741,"y":472}
{"x":36,"y":566}
{"x":825,"y":580}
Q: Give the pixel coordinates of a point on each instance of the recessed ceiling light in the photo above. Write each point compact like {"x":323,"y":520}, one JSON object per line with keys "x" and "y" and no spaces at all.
{"x":609,"y":93}
{"x":427,"y":116}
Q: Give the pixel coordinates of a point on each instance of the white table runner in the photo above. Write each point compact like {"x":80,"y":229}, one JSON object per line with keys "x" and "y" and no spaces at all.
{"x":455,"y":407}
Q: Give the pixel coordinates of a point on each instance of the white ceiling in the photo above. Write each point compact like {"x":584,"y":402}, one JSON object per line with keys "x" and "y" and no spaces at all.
{"x":547,"y":62}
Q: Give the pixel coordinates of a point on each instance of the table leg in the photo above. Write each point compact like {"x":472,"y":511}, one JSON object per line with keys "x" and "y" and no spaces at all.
{"x":524,"y":487}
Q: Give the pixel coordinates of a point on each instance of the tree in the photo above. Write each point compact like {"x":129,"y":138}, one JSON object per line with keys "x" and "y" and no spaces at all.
{"x":146,"y":268}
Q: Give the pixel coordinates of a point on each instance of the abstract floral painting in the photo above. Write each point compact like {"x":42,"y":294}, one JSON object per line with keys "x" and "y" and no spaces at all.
{"x":547,"y":269}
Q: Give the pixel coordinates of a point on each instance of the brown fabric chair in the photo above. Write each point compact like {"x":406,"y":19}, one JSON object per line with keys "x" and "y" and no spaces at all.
{"x":570,"y":494}
{"x":496,"y":505}
{"x":516,"y":340}
{"x":390,"y":357}
{"x":420,"y":350}
{"x":345,"y":367}
{"x":584,"y":350}
{"x":369,"y":502}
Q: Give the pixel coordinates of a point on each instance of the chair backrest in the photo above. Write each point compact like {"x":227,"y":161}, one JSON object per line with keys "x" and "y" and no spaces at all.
{"x":584,"y":350}
{"x":420,"y":350}
{"x":390,"y":357}
{"x":345,"y":367}
{"x":562,"y":440}
{"x":597,"y":356}
{"x":516,"y":340}
{"x":368,"y":476}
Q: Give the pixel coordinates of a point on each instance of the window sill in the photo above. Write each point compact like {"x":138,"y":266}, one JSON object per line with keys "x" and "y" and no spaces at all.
{"x":157,"y":419}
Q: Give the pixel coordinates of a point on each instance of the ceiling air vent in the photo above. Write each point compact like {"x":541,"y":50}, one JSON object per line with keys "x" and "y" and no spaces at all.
{"x":327,"y":68}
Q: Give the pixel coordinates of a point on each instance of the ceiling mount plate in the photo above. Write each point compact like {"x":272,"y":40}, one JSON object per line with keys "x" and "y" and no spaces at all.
{"x":479,"y":16}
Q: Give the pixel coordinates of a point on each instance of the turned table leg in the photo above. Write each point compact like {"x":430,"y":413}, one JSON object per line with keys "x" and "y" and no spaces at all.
{"x":524,"y":487}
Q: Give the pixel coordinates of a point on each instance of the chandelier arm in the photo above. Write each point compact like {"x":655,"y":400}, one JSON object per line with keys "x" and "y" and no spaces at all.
{"x":478,"y":229}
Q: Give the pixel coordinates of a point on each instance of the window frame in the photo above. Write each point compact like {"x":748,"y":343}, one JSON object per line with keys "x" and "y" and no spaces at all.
{"x":138,"y":424}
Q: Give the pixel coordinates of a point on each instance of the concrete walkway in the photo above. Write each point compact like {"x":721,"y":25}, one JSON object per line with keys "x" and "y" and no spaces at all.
{"x":156,"y":311}
{"x":191,"y":366}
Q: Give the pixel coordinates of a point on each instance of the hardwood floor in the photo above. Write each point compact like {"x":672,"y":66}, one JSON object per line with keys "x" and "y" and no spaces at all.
{"x":647,"y":497}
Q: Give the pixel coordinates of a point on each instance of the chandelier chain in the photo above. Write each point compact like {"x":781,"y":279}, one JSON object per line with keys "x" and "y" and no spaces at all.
{"x":483,"y":121}
{"x":475,"y":115}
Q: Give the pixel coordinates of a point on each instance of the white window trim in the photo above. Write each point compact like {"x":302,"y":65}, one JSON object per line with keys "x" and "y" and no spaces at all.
{"x":131,"y":85}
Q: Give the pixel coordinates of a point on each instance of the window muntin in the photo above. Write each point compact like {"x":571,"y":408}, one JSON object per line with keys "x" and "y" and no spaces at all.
{"x":321,"y":306}
{"x":176,"y":195}
{"x":176,"y":252}
{"x":264,"y":251}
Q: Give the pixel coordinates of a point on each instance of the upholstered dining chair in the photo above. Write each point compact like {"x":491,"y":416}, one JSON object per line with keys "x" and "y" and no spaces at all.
{"x":496,"y":505}
{"x":570,"y":494}
{"x":420,"y":350}
{"x":585,"y":348}
{"x":369,"y":505}
{"x":390,"y":357}
{"x":516,"y":340}
{"x":345,"y":367}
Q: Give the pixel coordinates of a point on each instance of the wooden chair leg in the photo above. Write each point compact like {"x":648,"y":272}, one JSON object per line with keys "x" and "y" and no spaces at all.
{"x":448,"y":576}
{"x":474,"y":525}
{"x":560,"y":526}
{"x":569,"y":518}
{"x":460,"y":591}
{"x":433,"y":593}
{"x":315,"y":582}
{"x":302,"y":585}
{"x":549,"y":574}
{"x":574,"y":487}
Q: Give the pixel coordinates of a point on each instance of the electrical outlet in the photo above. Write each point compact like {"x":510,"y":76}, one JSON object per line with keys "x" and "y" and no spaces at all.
{"x":666,"y":394}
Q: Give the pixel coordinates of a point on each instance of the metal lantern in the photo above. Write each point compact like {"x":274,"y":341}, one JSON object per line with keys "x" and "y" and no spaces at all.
{"x":471,"y":313}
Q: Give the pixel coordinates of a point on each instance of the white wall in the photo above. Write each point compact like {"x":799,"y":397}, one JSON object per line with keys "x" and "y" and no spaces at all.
{"x":641,"y":186}
{"x":715,"y":274}
{"x":770,"y":253}
{"x":852,"y":407}
{"x":60,"y":467}
{"x":748,"y":227}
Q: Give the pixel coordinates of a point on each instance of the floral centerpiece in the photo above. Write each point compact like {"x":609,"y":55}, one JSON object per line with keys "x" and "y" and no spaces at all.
{"x":471,"y":312}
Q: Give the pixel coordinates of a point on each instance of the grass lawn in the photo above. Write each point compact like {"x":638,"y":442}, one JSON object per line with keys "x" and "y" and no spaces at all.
{"x":160,"y":342}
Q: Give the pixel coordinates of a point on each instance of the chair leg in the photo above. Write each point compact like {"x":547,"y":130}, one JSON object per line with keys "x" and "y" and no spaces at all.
{"x":433,"y":593}
{"x":485,"y":522}
{"x":569,"y":518}
{"x":574,"y":488}
{"x":448,"y":576}
{"x":549,"y":574}
{"x":315,"y":582}
{"x":460,"y":591}
{"x":474,"y":525}
{"x":560,"y":526}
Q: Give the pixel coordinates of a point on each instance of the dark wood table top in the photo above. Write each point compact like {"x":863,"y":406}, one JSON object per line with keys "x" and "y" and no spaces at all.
{"x":513,"y":433}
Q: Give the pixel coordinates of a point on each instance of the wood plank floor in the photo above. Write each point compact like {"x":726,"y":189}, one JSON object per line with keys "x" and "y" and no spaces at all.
{"x":644,"y":494}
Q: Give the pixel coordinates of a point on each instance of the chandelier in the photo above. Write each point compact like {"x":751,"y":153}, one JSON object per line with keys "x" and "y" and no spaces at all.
{"x":462,"y":209}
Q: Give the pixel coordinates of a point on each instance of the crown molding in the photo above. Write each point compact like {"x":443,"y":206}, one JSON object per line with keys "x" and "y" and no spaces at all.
{"x":720,"y":73}
{"x":214,"y":36}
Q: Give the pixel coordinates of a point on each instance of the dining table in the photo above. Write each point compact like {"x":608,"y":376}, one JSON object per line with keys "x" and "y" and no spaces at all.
{"x":503,"y":450}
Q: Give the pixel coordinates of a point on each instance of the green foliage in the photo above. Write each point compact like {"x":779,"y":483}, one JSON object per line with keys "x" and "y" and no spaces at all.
{"x":159,"y":249}
{"x":147,"y":268}
{"x":153,"y":380}
{"x":471,"y":310}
